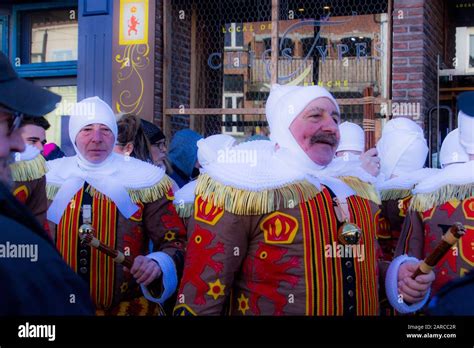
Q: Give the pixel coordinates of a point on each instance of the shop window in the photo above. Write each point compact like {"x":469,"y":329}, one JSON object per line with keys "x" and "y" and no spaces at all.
{"x":46,"y":39}
{"x":308,"y":42}
{"x":354,"y":43}
{"x":287,"y":47}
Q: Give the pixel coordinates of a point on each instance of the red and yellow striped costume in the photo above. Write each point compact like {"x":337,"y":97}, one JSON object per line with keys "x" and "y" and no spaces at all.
{"x":278,"y":263}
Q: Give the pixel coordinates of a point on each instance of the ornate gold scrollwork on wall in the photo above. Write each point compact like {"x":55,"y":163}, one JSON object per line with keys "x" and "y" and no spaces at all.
{"x":134,"y":60}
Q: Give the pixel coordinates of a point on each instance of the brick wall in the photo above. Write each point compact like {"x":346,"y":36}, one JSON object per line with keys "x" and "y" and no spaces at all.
{"x":181,"y":63}
{"x":417,"y":40}
{"x":158,"y":104}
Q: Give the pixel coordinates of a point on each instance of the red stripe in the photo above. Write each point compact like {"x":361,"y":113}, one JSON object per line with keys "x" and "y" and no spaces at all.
{"x":321,"y":304}
{"x":362,"y":218}
{"x":308,"y":255}
{"x":336,"y":262}
{"x":359,"y":293}
{"x":103,"y":260}
{"x":66,"y":246}
{"x":370,"y":258}
{"x":74,"y":243}
{"x":111,"y":274}
{"x":327,"y":240}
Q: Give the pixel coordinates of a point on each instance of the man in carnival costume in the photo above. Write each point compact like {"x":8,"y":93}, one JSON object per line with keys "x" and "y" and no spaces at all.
{"x":438,"y":202}
{"x":127,"y":202}
{"x":402,"y":149}
{"x":267,"y":238}
{"x":210,"y":149}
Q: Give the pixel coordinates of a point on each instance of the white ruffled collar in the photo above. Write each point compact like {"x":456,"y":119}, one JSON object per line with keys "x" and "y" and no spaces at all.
{"x":113,"y":178}
{"x":260,"y":167}
{"x":408,"y":180}
{"x":455,"y":174}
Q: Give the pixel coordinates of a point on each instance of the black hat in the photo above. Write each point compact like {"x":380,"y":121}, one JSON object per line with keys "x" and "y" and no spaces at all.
{"x":21,"y":95}
{"x":466,"y":103}
{"x":152,"y":132}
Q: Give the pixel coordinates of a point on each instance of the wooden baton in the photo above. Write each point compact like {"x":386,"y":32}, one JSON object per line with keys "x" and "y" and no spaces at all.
{"x":450,"y":238}
{"x":87,"y":237}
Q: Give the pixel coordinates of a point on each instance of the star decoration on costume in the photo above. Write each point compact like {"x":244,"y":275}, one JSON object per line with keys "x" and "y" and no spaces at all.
{"x":216,"y":289}
{"x":169,"y":236}
{"x":243,"y":303}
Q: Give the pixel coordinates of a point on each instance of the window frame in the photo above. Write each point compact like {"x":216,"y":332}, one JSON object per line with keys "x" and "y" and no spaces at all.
{"x":469,"y":32}
{"x":234,"y":96}
{"x":65,"y":68}
{"x":233,"y":37}
{"x":4,"y":38}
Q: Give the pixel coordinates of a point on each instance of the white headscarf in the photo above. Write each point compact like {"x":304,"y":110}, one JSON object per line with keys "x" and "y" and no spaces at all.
{"x":402,"y":148}
{"x":283,"y":105}
{"x":451,"y":150}
{"x":71,"y":173}
{"x":208,"y":148}
{"x":352,"y":137}
{"x":466,"y":131}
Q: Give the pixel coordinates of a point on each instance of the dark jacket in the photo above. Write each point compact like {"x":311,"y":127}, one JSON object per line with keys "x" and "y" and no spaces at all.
{"x":455,"y":298}
{"x":45,"y":286}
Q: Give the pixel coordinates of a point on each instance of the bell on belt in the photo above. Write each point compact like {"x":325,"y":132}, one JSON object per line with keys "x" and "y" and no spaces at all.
{"x":349,"y":233}
{"x":86,"y":231}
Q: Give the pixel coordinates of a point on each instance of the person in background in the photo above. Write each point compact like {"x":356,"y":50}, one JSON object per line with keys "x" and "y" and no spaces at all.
{"x":452,"y":151}
{"x":131,"y":138}
{"x":183,"y":156}
{"x":209,"y":150}
{"x":403,"y":150}
{"x":438,"y":202}
{"x":157,"y":142}
{"x":352,"y":139}
{"x":29,"y":181}
{"x":33,"y":131}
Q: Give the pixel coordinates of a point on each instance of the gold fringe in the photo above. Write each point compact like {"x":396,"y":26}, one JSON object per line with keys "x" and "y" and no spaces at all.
{"x":243,"y":202}
{"x":363,"y":189}
{"x":153,"y":193}
{"x":387,"y":195}
{"x":51,"y":191}
{"x":29,"y":170}
{"x":96,"y":194}
{"x":425,"y":201}
{"x":144,"y":195}
{"x":185,"y":210}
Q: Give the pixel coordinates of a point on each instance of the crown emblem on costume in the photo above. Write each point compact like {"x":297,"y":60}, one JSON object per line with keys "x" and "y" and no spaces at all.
{"x":207,"y":212}
{"x":279,"y":228}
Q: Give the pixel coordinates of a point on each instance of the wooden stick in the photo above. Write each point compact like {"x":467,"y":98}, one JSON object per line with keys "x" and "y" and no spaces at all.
{"x":451,"y":237}
{"x":86,"y":236}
